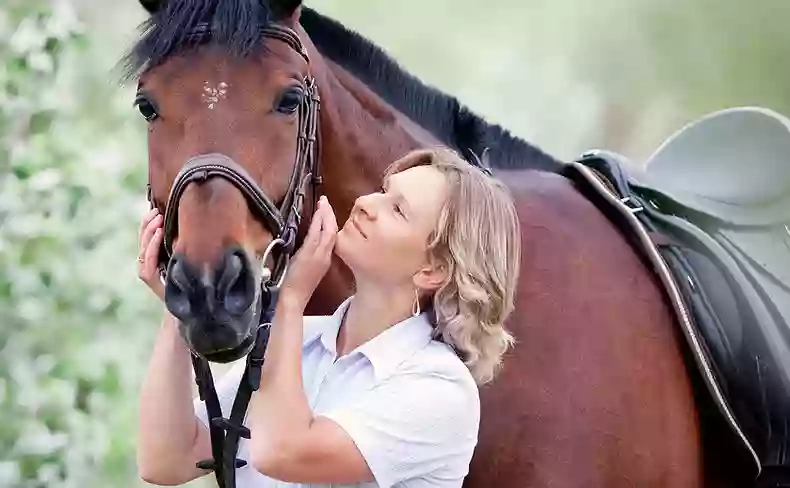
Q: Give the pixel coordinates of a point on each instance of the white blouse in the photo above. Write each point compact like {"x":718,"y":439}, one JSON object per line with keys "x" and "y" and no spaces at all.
{"x":408,"y":402}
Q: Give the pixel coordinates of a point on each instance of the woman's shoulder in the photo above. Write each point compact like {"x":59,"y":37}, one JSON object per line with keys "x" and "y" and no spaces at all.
{"x":435,"y":388}
{"x":439,"y":362}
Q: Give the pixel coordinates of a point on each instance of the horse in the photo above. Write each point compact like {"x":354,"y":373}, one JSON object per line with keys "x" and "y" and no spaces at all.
{"x":255,"y":108}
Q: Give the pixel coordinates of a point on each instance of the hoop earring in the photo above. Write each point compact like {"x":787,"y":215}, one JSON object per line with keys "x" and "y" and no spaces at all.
{"x":415,"y":309}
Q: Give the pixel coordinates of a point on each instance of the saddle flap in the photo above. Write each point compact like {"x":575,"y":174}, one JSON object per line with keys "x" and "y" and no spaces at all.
{"x":730,"y":288}
{"x":748,"y":342}
{"x":765,"y":251}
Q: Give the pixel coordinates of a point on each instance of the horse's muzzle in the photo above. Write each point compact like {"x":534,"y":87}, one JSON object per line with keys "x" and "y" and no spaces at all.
{"x":216,"y":306}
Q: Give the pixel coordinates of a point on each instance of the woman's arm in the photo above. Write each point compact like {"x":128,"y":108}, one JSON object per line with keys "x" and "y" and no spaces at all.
{"x":288,"y":443}
{"x":170,"y":438}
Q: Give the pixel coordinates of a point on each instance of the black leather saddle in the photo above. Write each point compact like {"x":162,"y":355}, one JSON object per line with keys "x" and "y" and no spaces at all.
{"x":711,"y":213}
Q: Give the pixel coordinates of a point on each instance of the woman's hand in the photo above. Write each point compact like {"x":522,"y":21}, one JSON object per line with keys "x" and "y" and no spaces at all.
{"x":311,"y":262}
{"x":150,"y":236}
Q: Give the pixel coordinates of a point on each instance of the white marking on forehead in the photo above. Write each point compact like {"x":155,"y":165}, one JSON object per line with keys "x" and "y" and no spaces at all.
{"x":212,"y":96}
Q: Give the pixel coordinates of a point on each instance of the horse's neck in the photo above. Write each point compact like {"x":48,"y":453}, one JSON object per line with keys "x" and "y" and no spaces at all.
{"x":360,"y":136}
{"x":361,"y":133}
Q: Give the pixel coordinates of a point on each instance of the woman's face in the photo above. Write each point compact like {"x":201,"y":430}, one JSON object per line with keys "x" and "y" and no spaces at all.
{"x":386,"y":235}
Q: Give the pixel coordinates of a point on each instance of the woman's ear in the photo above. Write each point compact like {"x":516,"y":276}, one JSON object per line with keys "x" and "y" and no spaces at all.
{"x":431,"y":276}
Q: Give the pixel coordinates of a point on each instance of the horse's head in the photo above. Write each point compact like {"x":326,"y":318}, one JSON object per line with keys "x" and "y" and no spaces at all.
{"x":232,"y":113}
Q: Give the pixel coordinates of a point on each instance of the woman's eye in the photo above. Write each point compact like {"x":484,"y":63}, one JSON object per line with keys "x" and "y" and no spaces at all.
{"x":146,"y":108}
{"x":290,"y":101}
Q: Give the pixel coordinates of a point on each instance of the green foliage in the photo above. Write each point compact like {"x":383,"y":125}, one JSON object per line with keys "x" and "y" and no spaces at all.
{"x":75,"y":325}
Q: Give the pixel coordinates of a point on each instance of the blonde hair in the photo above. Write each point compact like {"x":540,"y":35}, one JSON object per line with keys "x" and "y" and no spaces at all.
{"x":478,"y":239}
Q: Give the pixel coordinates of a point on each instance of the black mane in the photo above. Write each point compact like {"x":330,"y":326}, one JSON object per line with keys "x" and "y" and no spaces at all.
{"x":236,"y":25}
{"x":441,"y":114}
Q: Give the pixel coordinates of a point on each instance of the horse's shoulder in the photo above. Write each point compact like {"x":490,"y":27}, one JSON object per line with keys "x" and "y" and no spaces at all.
{"x":551,"y":200}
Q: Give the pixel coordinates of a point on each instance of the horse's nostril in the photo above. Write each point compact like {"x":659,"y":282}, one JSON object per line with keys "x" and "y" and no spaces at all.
{"x":178,"y":286}
{"x":219,"y":296}
{"x":236,"y":283}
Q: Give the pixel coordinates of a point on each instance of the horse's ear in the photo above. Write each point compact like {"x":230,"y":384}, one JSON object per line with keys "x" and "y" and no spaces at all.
{"x":152,"y":6}
{"x":284,"y":9}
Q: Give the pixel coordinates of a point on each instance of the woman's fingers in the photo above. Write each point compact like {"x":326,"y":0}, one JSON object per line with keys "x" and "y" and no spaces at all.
{"x":150,"y":258}
{"x":328,"y":229}
{"x":149,"y":262}
{"x":148,"y":233}
{"x":147,"y":218}
{"x":313,"y":237}
{"x":150,"y":236}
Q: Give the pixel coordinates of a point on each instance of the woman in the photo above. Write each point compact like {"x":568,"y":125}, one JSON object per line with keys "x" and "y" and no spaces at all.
{"x":383,"y":392}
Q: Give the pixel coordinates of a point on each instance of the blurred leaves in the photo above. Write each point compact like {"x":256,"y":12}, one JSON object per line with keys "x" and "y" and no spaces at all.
{"x":74,"y":327}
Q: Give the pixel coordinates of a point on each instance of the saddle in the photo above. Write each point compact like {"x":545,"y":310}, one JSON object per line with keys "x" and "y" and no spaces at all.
{"x":710,"y":213}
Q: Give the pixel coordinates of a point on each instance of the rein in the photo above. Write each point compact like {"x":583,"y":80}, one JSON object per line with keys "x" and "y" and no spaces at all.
{"x":283,"y":221}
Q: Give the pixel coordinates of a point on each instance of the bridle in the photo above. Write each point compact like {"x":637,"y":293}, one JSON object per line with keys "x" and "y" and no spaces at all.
{"x":283,"y":221}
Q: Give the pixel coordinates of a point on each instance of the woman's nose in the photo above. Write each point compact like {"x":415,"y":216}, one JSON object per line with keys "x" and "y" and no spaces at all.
{"x":367,"y":205}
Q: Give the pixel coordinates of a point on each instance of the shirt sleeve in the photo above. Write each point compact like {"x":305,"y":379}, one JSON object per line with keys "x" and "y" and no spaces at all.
{"x":226,"y":388}
{"x":414,"y":426}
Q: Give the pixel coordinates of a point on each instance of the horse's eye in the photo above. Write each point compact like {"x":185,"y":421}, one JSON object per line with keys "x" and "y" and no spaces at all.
{"x":146,"y":108}
{"x":290,"y":100}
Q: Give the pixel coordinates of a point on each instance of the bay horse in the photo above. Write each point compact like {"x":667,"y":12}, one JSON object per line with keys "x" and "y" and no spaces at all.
{"x":598,"y":391}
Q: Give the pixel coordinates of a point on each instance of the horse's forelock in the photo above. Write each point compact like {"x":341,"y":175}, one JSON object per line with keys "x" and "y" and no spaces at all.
{"x":234,"y":24}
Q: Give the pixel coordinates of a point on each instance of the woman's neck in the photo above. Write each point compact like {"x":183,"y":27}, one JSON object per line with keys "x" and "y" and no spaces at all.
{"x":372,"y":311}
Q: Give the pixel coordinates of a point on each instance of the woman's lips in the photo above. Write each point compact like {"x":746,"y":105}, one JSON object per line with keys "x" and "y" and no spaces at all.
{"x":358,"y":228}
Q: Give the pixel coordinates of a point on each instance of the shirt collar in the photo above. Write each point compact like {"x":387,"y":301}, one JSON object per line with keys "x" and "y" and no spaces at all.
{"x":325,"y":327}
{"x":387,"y":350}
